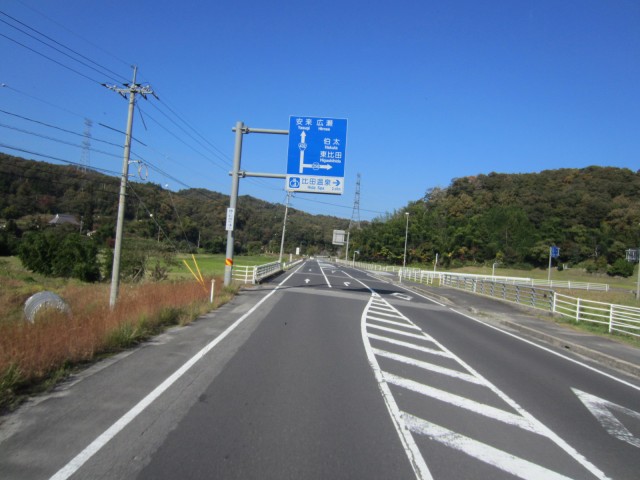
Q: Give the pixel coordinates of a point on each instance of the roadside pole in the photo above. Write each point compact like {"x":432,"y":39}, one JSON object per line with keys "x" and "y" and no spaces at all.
{"x":233,"y":202}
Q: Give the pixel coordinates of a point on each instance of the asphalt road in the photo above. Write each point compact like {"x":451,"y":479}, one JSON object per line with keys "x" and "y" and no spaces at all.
{"x":329,"y":372}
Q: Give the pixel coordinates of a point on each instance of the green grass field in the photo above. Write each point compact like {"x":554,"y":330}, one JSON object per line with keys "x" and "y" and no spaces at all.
{"x":213,"y":265}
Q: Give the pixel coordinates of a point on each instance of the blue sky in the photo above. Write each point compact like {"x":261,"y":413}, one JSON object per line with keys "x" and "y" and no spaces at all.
{"x":431,"y":90}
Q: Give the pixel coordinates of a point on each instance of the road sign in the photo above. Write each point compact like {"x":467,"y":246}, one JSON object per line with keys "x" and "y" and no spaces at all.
{"x":555,"y":252}
{"x":231,"y":212}
{"x":338,"y":237}
{"x":315,"y":161}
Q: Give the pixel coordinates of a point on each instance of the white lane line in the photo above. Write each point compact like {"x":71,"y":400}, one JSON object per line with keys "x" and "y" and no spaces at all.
{"x":551,"y":435}
{"x":430,"y":367}
{"x":94,"y":447}
{"x":325,"y":278}
{"x":548,"y":350}
{"x":412,"y":346}
{"x":391,"y":322}
{"x":481,"y":451}
{"x":397,"y":332}
{"x":462,"y":402}
{"x":412,"y":451}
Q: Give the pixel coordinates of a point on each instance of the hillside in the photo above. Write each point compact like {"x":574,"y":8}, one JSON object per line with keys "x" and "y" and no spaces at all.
{"x":31,"y":192}
{"x":592,"y":214}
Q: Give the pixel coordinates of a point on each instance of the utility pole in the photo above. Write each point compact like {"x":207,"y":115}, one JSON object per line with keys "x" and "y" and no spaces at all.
{"x":284,"y":227}
{"x":131,"y":90}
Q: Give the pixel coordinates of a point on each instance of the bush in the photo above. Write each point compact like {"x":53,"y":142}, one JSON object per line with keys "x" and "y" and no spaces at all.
{"x":56,"y":252}
{"x":621,"y":268}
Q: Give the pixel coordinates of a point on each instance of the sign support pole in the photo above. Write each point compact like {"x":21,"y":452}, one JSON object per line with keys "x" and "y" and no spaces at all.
{"x":549,"y":274}
{"x":233,"y":201}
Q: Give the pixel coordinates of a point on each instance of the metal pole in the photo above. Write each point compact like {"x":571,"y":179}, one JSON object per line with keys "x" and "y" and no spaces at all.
{"x":115,"y":271}
{"x":233,"y":201}
{"x":549,"y":274}
{"x":284,"y":227}
{"x":406,"y":237}
{"x":638,"y":286}
{"x":346,"y":255}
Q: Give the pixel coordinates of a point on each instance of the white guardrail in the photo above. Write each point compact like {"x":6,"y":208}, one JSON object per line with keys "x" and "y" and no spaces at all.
{"x":256,"y":273}
{"x":529,"y":292}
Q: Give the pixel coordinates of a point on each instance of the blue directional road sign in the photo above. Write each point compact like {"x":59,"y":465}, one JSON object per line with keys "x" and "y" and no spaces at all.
{"x":315,"y":161}
{"x":555,"y":252}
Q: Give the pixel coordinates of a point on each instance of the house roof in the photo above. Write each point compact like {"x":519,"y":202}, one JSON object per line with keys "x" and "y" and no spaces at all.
{"x":64,"y":218}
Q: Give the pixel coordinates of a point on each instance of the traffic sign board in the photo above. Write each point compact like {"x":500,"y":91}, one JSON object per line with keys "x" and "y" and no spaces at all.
{"x":555,"y":252}
{"x":315,"y":161}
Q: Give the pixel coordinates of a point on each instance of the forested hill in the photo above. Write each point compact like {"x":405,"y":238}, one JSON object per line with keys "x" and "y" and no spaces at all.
{"x":592,"y":214}
{"x":31,"y":192}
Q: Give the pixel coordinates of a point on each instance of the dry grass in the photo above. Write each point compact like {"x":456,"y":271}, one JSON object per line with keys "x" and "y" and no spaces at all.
{"x":31,"y":355}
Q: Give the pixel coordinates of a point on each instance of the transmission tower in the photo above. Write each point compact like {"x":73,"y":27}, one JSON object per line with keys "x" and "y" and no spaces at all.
{"x":355,"y":214}
{"x":86,"y":145}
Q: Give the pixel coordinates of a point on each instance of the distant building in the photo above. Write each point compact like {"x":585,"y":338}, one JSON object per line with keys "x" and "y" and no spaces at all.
{"x":64,"y":219}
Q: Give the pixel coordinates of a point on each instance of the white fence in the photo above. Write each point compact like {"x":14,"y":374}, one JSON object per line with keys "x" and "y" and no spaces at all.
{"x":256,"y":273}
{"x":529,"y":292}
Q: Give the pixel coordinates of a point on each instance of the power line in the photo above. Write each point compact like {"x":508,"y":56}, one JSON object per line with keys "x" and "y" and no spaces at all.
{"x":127,"y":64}
{"x":3,"y":145}
{"x":57,"y":49}
{"x":57,"y":128}
{"x":52,"y":60}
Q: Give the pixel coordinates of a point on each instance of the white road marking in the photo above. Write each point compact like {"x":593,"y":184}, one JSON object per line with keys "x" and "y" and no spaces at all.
{"x":429,"y":366}
{"x":481,"y":451}
{"x":396,"y":332}
{"x":539,"y":427}
{"x":412,"y":451}
{"x":391,"y":322}
{"x":462,"y":402}
{"x":603,"y":411}
{"x":94,"y":447}
{"x":413,"y":346}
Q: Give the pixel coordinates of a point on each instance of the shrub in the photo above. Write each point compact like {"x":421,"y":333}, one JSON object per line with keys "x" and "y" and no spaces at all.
{"x":621,"y":268}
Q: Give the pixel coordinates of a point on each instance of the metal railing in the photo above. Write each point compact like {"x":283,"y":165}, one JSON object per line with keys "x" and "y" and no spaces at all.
{"x":618,"y":318}
{"x":256,"y":273}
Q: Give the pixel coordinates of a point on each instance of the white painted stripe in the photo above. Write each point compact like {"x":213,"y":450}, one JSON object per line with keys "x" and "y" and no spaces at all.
{"x":379,"y":311}
{"x":430,"y":366}
{"x":548,"y":350}
{"x":391,"y":322}
{"x":325,"y":278}
{"x":413,"y":346}
{"x":397,"y":332}
{"x":461,"y":402}
{"x":412,"y":451}
{"x":481,"y":451}
{"x":94,"y":447}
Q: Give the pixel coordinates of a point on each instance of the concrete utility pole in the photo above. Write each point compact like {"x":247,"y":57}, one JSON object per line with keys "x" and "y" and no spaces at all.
{"x":131,"y":89}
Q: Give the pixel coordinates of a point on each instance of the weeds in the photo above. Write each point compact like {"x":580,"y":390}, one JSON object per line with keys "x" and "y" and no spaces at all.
{"x":34,"y":356}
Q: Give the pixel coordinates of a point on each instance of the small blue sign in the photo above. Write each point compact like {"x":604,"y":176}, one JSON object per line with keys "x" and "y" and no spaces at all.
{"x":316,"y":156}
{"x":555,"y":252}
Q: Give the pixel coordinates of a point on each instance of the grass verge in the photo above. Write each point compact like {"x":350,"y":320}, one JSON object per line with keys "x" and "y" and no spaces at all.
{"x":33,"y":357}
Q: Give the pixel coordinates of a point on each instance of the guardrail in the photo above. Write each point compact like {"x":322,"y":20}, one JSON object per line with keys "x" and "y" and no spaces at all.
{"x":618,"y":318}
{"x":256,"y":273}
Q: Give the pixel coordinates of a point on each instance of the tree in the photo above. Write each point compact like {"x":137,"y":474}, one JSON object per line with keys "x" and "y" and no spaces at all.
{"x":57,"y":252}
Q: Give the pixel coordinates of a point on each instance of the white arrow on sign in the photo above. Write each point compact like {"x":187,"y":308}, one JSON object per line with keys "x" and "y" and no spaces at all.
{"x":603,"y":411}
{"x":315,"y":166}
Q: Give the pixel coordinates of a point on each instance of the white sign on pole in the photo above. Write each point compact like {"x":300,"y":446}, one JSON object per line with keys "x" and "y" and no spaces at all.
{"x":231,"y":212}
{"x":338,"y":237}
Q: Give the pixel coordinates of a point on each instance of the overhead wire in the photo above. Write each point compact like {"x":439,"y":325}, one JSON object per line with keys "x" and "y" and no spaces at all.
{"x":52,"y":60}
{"x":57,"y":49}
{"x":111,"y":54}
{"x":93,"y":139}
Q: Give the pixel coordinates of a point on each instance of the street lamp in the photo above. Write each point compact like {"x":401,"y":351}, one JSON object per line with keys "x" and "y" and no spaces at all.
{"x":406,"y":236}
